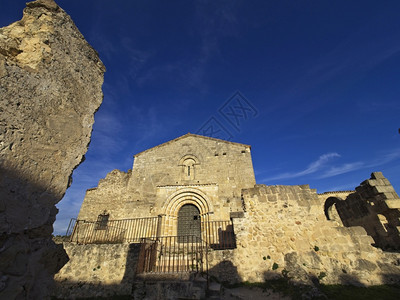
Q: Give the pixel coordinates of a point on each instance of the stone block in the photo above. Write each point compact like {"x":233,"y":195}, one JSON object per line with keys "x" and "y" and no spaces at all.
{"x":377,"y":175}
{"x":380,"y":197}
{"x":383,"y":189}
{"x":393,"y":204}
{"x":262,"y":198}
{"x":237,"y":214}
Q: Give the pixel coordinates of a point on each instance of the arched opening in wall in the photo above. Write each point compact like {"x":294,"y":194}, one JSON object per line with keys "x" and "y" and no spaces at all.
{"x":189,"y":222}
{"x":330,"y":211}
{"x":188,"y":164}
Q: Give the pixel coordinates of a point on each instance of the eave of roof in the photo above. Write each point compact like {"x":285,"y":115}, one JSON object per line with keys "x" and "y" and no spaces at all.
{"x":194,"y":135}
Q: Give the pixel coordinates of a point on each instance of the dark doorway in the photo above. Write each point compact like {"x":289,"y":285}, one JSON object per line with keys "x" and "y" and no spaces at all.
{"x":189,"y":221}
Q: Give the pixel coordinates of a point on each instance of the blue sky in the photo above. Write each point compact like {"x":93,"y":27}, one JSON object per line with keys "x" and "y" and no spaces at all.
{"x":318,"y":82}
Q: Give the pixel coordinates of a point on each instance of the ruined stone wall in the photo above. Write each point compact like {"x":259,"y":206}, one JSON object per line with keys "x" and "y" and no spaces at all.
{"x":285,"y":232}
{"x":50,"y":87}
{"x":337,"y":194}
{"x":97,"y":270}
{"x":218,"y":169}
{"x":374,"y":206}
{"x":110,"y":195}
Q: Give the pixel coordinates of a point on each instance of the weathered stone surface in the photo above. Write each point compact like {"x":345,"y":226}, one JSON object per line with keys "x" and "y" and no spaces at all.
{"x":107,"y":270}
{"x":50,"y":88}
{"x":292,"y":236}
{"x":374,"y":206}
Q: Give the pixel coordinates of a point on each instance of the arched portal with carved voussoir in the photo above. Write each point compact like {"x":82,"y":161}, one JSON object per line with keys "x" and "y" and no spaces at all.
{"x":178,"y":203}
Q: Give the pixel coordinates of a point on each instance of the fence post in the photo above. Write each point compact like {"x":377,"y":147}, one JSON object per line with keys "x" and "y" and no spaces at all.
{"x":74,"y":230}
{"x":160,"y":224}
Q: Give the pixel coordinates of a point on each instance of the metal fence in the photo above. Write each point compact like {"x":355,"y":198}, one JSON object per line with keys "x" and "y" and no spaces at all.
{"x":115,"y":231}
{"x":71,"y":226}
{"x":219,"y":234}
{"x":172,"y":254}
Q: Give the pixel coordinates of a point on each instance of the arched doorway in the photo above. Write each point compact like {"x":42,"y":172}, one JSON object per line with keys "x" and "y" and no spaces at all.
{"x":189,"y":222}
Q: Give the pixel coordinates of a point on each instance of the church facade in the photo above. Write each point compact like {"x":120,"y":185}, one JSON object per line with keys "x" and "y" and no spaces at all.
{"x":205,"y":188}
{"x":191,"y":178}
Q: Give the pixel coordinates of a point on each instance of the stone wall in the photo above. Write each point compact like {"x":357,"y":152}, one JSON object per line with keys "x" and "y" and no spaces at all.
{"x":374,"y":206}
{"x":97,"y":270}
{"x":110,"y":195}
{"x":284,"y":232}
{"x":219,"y":170}
{"x":50,"y":87}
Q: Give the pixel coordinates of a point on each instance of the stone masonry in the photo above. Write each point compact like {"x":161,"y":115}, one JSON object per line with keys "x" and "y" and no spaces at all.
{"x":284,"y":231}
{"x":161,"y":182}
{"x":374,"y":205}
{"x":288,"y":231}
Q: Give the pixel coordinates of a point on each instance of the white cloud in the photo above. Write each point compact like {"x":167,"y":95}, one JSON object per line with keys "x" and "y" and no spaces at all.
{"x":345,"y":168}
{"x":350,"y":167}
{"x":385,"y":158}
{"x":312,"y":168}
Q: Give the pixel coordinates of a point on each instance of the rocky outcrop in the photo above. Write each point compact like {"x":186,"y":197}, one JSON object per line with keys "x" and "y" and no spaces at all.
{"x":50,"y":88}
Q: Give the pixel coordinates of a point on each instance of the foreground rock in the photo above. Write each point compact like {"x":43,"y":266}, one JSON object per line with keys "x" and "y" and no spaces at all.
{"x":50,"y":88}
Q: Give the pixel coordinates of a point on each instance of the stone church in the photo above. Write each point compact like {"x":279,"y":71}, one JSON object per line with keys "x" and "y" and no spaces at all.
{"x":192,"y":177}
{"x":196,"y":190}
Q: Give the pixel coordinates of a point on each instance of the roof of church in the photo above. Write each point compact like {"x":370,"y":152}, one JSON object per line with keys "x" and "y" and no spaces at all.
{"x":194,"y":135}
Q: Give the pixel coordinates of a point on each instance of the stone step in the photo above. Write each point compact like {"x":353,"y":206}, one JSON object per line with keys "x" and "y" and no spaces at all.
{"x":214,"y":291}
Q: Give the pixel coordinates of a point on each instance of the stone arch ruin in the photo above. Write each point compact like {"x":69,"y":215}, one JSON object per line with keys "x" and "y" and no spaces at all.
{"x":330,"y":208}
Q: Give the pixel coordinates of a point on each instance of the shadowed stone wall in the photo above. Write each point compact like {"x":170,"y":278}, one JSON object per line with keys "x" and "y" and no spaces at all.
{"x":50,"y":88}
{"x":374,"y":206}
{"x":101,"y":270}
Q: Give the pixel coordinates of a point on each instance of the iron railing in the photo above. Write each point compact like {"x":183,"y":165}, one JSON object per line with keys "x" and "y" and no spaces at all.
{"x":115,"y":231}
{"x":219,"y":235}
{"x":71,"y":226}
{"x":172,"y":254}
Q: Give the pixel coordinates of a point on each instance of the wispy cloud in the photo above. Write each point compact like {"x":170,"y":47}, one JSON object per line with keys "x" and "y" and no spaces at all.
{"x":312,"y":168}
{"x":323,"y":167}
{"x":385,"y":158}
{"x":345,"y":168}
{"x":350,"y":167}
